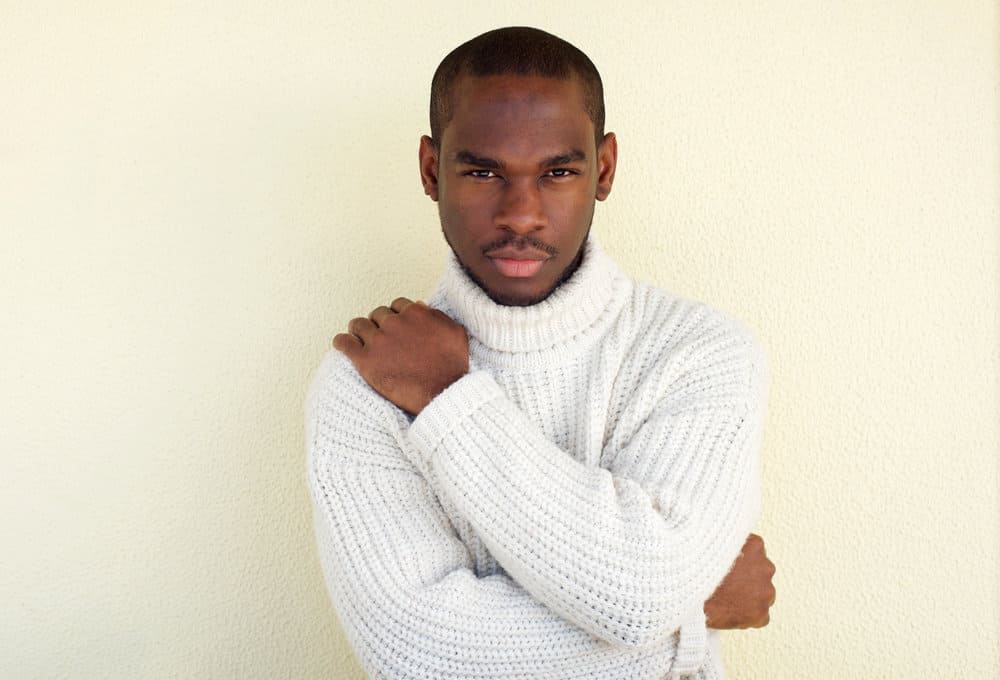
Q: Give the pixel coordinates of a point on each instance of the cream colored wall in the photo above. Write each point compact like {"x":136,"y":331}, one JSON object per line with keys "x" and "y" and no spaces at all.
{"x":193,"y":201}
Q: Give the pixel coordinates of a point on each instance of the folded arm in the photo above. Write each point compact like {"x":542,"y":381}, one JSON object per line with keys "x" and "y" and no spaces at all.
{"x":627,"y":554}
{"x":625,"y":558}
{"x":403,"y":582}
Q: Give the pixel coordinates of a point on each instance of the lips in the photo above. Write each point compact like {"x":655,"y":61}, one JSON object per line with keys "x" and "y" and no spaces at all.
{"x":517,"y":269}
{"x":517,"y":264}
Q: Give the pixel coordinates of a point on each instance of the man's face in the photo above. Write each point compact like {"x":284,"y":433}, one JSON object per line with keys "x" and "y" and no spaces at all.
{"x":515,"y":176}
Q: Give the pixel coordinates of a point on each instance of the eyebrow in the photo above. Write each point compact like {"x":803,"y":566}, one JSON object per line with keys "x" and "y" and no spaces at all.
{"x":562,"y":159}
{"x":469,"y":158}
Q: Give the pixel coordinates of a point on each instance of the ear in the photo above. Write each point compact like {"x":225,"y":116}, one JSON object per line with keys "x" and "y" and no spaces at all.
{"x":607,"y":161}
{"x":429,"y":167}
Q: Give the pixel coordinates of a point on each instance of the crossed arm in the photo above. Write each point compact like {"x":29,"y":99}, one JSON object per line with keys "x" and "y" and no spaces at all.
{"x":416,"y":355}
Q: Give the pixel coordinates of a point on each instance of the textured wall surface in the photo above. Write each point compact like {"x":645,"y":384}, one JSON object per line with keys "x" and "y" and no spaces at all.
{"x":193,"y":201}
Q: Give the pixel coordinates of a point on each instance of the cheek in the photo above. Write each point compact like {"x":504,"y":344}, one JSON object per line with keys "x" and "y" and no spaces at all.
{"x":466,"y":214}
{"x":571,"y":208}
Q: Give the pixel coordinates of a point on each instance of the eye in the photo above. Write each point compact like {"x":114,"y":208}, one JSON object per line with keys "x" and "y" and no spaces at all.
{"x":481,"y":174}
{"x":561,"y":172}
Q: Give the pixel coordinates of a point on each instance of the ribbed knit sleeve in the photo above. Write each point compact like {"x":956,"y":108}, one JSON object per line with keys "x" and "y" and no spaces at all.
{"x":403,"y":583}
{"x":626,"y":555}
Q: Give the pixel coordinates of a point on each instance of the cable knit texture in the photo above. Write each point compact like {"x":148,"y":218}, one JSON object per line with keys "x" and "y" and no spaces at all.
{"x":564,"y":509}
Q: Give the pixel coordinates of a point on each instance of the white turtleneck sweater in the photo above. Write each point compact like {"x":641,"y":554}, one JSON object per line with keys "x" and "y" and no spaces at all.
{"x":563,"y":510}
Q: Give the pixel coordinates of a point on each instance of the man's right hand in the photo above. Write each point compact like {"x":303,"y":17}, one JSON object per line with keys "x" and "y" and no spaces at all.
{"x":744,"y":597}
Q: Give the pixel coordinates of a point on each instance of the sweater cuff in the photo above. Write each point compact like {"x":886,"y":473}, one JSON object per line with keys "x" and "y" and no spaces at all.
{"x":691,"y":647}
{"x":463,"y":397}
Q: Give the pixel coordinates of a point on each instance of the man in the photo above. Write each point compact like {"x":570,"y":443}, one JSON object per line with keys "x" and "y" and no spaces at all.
{"x":549,"y":471}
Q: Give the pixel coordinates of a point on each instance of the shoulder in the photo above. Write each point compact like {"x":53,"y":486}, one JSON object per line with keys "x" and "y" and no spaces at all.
{"x":685,"y":349}
{"x":347,"y":420}
{"x":335,"y":384}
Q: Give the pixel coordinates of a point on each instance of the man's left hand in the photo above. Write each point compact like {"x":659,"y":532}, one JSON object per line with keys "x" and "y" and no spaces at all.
{"x":745,"y":596}
{"x":408,"y":352}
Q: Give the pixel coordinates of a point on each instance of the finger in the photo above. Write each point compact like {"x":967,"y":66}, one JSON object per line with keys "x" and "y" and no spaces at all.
{"x":380,"y":313}
{"x":400,"y":303}
{"x":361,"y":328}
{"x":346,"y":343}
{"x":754,"y":545}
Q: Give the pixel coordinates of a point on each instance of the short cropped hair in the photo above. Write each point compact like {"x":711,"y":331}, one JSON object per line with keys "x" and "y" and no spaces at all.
{"x":516,"y":50}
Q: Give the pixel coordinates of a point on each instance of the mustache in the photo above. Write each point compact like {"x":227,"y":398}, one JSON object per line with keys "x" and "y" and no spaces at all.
{"x":524,"y":242}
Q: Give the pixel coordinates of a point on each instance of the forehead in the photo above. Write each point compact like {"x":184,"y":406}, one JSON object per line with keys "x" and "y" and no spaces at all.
{"x":504,"y":111}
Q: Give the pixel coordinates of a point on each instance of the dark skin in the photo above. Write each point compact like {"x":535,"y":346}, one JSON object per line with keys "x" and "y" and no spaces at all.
{"x":516,"y":173}
{"x":515,"y":176}
{"x":408,"y":352}
{"x":745,"y":596}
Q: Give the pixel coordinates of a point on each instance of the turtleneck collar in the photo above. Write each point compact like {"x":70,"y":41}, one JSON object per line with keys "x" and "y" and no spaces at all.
{"x":576,"y":307}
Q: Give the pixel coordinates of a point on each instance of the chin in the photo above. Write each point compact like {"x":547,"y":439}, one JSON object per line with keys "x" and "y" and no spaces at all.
{"x":509,"y":297}
{"x":512,"y":299}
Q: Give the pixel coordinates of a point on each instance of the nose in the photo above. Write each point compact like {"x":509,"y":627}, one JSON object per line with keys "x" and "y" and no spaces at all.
{"x":521,"y":208}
